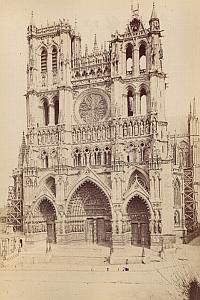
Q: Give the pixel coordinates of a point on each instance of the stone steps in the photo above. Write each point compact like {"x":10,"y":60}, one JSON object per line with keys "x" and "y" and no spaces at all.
{"x":133,"y":255}
{"x":80,"y":255}
{"x":78,"y":260}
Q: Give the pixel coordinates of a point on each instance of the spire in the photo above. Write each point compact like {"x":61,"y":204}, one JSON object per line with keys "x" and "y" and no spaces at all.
{"x":86,"y":50}
{"x":22,"y":152}
{"x":194,"y":107}
{"x":134,"y":11}
{"x":95,"y":49}
{"x":153,"y":14}
{"x":23,"y":146}
{"x":75,"y":27}
{"x":175,"y":137}
{"x":154,"y":21}
{"x":32,"y":21}
{"x":131,"y":6}
{"x":31,"y":27}
{"x":190,"y":109}
{"x":105,"y":47}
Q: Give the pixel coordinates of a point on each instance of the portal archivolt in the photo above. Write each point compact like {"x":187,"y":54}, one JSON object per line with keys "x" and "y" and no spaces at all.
{"x":89,"y":214}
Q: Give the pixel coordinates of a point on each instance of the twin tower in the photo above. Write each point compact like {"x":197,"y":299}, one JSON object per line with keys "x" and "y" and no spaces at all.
{"x":97,"y":164}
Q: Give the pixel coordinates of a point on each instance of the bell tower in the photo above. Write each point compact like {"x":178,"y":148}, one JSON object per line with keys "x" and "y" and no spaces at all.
{"x":48,"y":73}
{"x":49,"y":90}
{"x":138,"y":108}
{"x":157,"y":76}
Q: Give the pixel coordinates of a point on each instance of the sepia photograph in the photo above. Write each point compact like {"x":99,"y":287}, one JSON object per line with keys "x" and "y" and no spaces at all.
{"x":100,"y":150}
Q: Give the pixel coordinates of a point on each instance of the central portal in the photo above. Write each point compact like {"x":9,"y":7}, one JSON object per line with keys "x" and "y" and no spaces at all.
{"x":96,"y":230}
{"x":89,"y":214}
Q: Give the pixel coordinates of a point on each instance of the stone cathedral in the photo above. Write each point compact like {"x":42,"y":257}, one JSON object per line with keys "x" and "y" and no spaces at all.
{"x":97,"y":163}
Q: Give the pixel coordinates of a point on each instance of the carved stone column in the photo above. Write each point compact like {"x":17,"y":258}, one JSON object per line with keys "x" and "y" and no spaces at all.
{"x":136,"y":62}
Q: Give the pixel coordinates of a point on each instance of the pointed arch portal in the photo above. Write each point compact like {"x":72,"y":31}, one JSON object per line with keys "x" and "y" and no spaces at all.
{"x":138,"y":218}
{"x":45,"y":216}
{"x":89,"y":215}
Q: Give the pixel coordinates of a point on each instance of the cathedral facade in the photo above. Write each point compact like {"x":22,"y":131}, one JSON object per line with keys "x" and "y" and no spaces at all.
{"x":97,"y":164}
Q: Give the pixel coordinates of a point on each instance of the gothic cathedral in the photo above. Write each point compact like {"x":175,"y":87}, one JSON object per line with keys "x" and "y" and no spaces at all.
{"x":98,"y":164}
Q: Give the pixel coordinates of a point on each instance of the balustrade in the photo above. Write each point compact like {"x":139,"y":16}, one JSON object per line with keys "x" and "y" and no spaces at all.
{"x":30,"y":171}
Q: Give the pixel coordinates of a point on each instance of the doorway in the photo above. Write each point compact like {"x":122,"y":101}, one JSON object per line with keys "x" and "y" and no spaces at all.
{"x":139,"y":218}
{"x":95,"y":231}
{"x":46,"y":213}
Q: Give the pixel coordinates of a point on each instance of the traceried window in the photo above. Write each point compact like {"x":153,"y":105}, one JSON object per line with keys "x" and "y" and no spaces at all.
{"x":93,"y":107}
{"x":44,"y":60}
{"x":54,"y":59}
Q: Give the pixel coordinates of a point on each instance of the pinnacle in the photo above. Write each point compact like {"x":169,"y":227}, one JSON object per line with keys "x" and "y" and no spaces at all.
{"x":134,"y":11}
{"x":194,"y":107}
{"x":86,"y":50}
{"x":153,"y":14}
{"x":75,"y":26}
{"x":23,"y":140}
{"x":32,"y":22}
{"x":95,"y":49}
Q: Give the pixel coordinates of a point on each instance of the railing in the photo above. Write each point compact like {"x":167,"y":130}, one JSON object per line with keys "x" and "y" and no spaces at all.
{"x":54,"y":29}
{"x":30,"y":171}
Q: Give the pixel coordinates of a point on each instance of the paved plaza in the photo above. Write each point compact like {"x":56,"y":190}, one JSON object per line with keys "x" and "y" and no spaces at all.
{"x":58,"y":278}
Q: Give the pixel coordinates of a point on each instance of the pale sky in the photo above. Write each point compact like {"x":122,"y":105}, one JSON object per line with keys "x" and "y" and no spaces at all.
{"x":179,"y":19}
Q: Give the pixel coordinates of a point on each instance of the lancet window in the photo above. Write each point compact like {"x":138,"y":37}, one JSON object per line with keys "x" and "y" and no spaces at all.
{"x":143,"y":102}
{"x":142,"y":58}
{"x":44,"y":60}
{"x":129,"y":59}
{"x":46,"y":112}
{"x":54,"y":59}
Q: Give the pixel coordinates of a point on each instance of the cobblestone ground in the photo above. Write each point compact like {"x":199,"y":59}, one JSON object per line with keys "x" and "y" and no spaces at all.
{"x":155,"y":280}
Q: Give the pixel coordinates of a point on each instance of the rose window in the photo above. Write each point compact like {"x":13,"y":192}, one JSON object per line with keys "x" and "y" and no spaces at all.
{"x":93,"y":107}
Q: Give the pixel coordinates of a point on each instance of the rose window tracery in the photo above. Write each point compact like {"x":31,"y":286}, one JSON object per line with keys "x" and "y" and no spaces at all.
{"x":93,"y":107}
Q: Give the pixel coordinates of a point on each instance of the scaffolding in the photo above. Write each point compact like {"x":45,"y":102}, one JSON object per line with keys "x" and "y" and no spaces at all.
{"x":190,"y":201}
{"x":15,"y":205}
